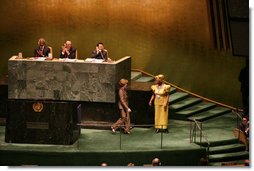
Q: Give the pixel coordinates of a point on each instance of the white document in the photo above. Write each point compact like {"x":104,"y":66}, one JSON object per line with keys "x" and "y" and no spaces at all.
{"x":39,"y":58}
{"x":94,"y":60}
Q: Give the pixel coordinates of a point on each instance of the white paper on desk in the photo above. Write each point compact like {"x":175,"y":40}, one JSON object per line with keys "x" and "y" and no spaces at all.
{"x":99,"y":60}
{"x":89,"y":59}
{"x":79,"y":60}
{"x":40,"y":59}
{"x":94,"y":60}
{"x":69,"y":60}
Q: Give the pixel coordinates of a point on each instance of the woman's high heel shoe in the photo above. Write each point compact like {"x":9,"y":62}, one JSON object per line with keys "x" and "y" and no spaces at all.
{"x":166,"y":131}
{"x":127,"y":132}
{"x":113,"y":130}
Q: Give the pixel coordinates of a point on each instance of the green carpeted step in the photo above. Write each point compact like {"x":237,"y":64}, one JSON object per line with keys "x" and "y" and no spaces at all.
{"x":227,"y":148}
{"x":212,"y":113}
{"x":145,"y":79}
{"x":221,"y":142}
{"x":214,"y":163}
{"x":234,"y":162}
{"x":184,"y":103}
{"x":172,"y":90}
{"x":135,"y":75}
{"x":229,"y":156}
{"x":176,"y":97}
{"x":200,"y":107}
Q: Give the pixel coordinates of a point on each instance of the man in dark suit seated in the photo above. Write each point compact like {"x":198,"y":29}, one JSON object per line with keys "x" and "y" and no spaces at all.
{"x":42,"y":50}
{"x":68,"y":51}
{"x":100,"y":52}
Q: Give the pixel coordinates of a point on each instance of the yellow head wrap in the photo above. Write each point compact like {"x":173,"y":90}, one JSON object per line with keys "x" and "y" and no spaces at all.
{"x":159,"y":77}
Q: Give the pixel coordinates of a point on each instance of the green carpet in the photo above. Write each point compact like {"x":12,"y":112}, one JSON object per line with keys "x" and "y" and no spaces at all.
{"x":220,"y":128}
{"x":96,"y":146}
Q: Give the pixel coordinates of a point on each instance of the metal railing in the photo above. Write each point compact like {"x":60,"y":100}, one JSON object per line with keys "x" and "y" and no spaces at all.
{"x":194,"y":125}
{"x":239,"y":116}
{"x":121,"y":131}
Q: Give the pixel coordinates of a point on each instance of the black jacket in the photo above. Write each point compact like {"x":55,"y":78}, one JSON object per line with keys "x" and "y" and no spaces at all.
{"x":101,"y":55}
{"x":45,"y":52}
{"x":72,"y":54}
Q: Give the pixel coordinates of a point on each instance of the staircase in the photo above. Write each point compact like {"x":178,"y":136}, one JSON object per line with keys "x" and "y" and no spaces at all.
{"x":183,"y":106}
{"x":226,"y":152}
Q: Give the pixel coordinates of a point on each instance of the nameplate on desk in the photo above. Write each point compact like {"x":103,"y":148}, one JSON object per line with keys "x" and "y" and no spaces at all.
{"x":37,"y":125}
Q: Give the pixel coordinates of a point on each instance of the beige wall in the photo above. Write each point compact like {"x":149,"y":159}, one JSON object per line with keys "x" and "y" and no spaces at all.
{"x":162,"y":36}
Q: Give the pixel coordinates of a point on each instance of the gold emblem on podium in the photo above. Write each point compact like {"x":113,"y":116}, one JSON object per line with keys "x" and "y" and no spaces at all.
{"x":37,"y":106}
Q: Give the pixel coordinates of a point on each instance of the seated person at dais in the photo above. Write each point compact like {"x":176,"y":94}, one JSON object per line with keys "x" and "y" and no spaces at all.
{"x":68,"y":51}
{"x":100,"y":52}
{"x":42,"y":50}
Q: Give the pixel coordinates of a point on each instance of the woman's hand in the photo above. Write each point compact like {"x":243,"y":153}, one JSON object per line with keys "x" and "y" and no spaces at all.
{"x":165,"y":107}
{"x":129,"y":110}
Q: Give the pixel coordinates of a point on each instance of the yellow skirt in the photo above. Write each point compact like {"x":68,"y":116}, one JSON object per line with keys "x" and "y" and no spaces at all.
{"x":160,"y":117}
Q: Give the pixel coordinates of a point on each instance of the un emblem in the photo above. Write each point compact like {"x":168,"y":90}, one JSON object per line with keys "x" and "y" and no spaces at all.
{"x":37,"y":106}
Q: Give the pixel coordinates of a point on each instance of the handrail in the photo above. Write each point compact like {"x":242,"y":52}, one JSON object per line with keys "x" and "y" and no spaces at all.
{"x":202,"y":134}
{"x":238,"y":117}
{"x":237,"y":114}
{"x":193,"y":94}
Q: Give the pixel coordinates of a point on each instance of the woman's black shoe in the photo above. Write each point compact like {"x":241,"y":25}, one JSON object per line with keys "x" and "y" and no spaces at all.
{"x":166,"y":131}
{"x":157,"y":131}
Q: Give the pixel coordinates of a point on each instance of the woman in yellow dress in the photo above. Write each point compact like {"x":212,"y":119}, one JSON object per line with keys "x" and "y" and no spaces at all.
{"x":160,"y":97}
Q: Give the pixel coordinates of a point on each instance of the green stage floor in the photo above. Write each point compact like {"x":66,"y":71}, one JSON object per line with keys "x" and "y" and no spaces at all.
{"x":96,"y":146}
{"x":104,"y":140}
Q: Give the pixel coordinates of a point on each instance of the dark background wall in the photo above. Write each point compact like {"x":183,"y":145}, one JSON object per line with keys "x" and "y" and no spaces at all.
{"x":172,"y":37}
